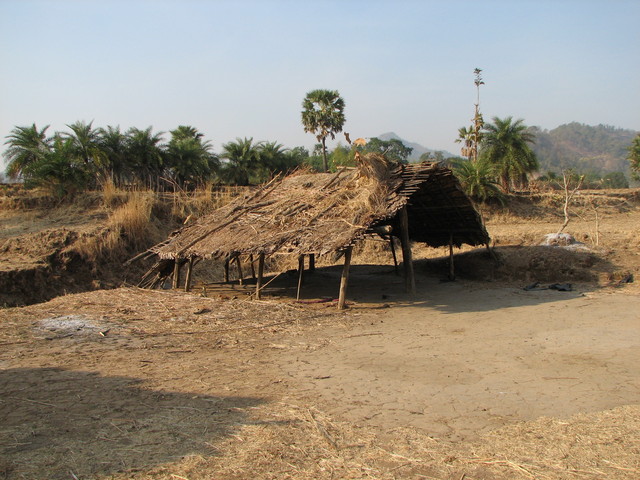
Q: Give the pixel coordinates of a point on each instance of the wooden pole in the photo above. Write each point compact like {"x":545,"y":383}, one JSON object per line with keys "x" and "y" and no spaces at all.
{"x":226,"y":269}
{"x":187,"y":280}
{"x":492,"y":254}
{"x":176,"y":273}
{"x":452,"y":273}
{"x":393,"y":252}
{"x":300,"y":275}
{"x":344,"y":279}
{"x":312,"y":262}
{"x":260,"y":274}
{"x":239,"y":265}
{"x":407,"y":260}
{"x":253,"y":268}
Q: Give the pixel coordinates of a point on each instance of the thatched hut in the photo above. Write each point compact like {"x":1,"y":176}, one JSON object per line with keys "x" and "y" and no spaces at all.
{"x":316,"y":214}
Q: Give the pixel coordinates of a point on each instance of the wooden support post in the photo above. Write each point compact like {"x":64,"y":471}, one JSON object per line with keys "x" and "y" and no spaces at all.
{"x":452,"y":273}
{"x":260,"y":274}
{"x":187,"y":280}
{"x":407,"y":260}
{"x":312,"y":262}
{"x":300,"y":275}
{"x":253,"y":268}
{"x":227,"y":260}
{"x":239,"y":265}
{"x":393,"y":252}
{"x":492,"y":254}
{"x":344,"y":279}
{"x":176,"y":273}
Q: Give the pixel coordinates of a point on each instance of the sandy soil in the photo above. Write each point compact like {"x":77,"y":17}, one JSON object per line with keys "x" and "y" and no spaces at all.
{"x":473,"y":379}
{"x":136,"y":384}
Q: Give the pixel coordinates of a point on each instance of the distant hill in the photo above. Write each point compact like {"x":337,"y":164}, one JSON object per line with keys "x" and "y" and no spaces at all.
{"x":599,"y":149}
{"x":418,"y":149}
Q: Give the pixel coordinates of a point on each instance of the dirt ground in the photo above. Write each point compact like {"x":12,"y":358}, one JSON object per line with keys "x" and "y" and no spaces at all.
{"x":472,"y":379}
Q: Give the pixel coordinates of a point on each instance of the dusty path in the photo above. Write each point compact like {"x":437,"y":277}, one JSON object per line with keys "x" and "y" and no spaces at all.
{"x":464,"y":360}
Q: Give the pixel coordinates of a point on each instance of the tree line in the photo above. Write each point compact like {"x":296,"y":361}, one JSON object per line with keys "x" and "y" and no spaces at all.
{"x":496,"y":157}
{"x":84,"y":157}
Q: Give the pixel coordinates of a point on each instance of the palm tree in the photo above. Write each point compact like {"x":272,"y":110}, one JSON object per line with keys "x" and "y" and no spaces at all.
{"x":243,"y":159}
{"x":86,"y":146}
{"x":274,"y":159}
{"x":323,"y":115}
{"x":145,"y":155}
{"x":26,"y":146}
{"x":189,"y":157}
{"x":478,"y":179}
{"x":113,"y":144}
{"x":466,"y":136}
{"x":506,"y":145}
{"x":58,"y":170}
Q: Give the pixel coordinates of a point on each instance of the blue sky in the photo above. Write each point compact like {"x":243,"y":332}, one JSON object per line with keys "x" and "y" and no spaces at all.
{"x":241,"y":68}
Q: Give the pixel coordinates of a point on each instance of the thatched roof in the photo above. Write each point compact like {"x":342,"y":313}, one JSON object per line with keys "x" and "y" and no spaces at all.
{"x":308,"y":213}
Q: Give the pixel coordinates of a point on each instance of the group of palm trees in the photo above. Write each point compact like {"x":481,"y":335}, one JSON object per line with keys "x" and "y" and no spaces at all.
{"x":499,"y":158}
{"x":85,"y":157}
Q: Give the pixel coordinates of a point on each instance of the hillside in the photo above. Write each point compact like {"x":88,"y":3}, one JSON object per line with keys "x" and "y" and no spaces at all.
{"x":417,"y":148}
{"x":599,"y":149}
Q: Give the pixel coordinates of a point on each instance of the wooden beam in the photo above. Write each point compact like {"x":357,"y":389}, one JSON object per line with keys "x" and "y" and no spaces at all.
{"x":260,"y":276}
{"x":407,"y":259}
{"x":176,"y":273}
{"x":492,"y":253}
{"x":300,"y":275}
{"x":187,"y":280}
{"x":344,"y":279}
{"x":452,"y":273}
{"x":239,"y":265}
{"x":227,"y":260}
{"x":253,"y":268}
{"x":393,"y":252}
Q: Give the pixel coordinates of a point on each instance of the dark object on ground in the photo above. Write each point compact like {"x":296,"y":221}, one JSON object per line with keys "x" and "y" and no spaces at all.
{"x":561,"y":287}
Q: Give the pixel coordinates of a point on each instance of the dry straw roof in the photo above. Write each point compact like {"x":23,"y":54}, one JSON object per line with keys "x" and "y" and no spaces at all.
{"x":306,"y":213}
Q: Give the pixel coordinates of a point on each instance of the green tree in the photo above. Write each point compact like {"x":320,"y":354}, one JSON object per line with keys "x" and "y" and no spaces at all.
{"x":189,"y":158}
{"x":275,"y":159}
{"x":615,"y":180}
{"x":145,"y":156}
{"x":323,"y":115}
{"x":343,"y":156}
{"x":86,"y":146}
{"x":58,"y":170}
{"x":26,"y":146}
{"x":113,"y":144}
{"x":392,"y":149}
{"x":478,"y":179}
{"x":506,"y":146}
{"x":242,"y":161}
{"x":634,"y":158}
{"x":467,"y":136}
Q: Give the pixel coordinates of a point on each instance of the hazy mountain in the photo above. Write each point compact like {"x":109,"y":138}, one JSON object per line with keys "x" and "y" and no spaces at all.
{"x":417,"y":148}
{"x":599,"y":149}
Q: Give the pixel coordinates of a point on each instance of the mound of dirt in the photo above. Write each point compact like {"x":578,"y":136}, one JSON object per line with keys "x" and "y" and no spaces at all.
{"x":525,"y":264}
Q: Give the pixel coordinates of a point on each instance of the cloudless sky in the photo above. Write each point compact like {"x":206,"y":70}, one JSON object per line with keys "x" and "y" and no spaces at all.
{"x":241,"y":68}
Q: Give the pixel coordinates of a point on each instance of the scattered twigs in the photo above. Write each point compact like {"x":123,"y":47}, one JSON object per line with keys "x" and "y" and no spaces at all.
{"x":35,"y":401}
{"x":322,"y":431}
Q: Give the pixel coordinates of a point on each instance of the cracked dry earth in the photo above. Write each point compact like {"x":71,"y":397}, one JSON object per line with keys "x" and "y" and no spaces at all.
{"x":462,"y":361}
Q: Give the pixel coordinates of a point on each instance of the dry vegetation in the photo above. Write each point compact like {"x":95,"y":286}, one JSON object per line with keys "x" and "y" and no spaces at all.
{"x":127,"y":383}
